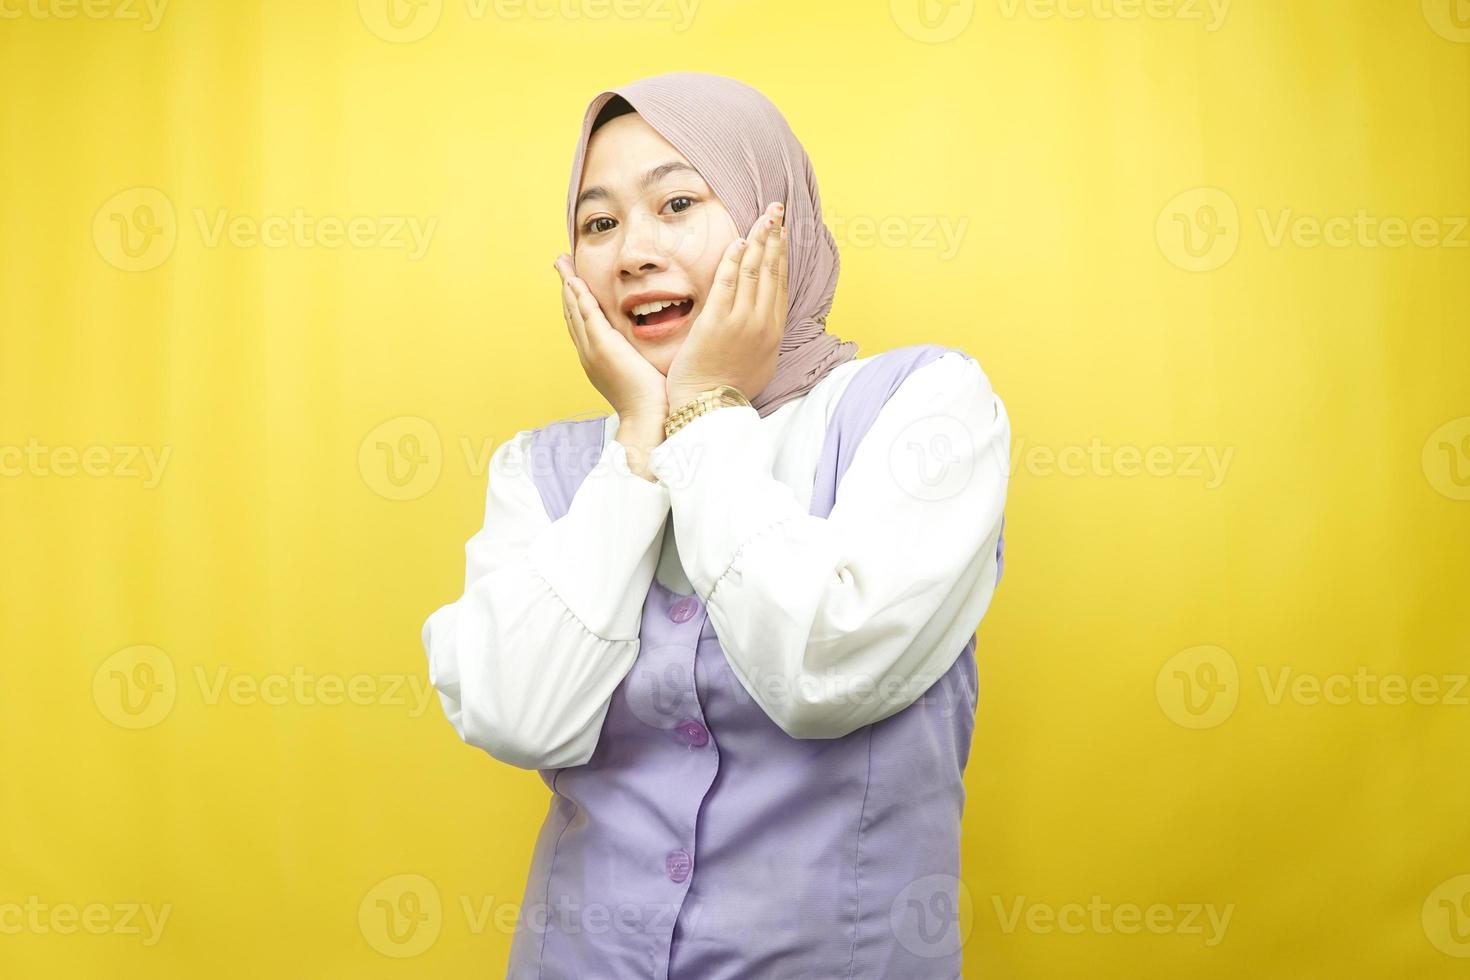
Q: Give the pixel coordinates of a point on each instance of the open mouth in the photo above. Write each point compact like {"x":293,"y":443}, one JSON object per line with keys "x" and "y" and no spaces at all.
{"x":660,"y":311}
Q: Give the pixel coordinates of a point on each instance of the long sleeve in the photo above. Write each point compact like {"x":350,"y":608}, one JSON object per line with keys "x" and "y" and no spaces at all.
{"x":838,"y":622}
{"x":526,"y":660}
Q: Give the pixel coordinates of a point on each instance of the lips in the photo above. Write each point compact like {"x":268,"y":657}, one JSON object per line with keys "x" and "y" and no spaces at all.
{"x":665,"y":314}
{"x":650,"y":308}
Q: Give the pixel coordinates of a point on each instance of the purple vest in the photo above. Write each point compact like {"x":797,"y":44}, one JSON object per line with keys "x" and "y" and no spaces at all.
{"x":701,"y":842}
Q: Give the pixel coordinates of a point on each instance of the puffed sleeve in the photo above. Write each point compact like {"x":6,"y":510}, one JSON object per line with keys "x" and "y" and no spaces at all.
{"x":526,"y":660}
{"x":838,"y":622}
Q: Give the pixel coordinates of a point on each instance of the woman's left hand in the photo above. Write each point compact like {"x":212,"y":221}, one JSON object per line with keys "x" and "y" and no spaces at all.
{"x":736,"y":338}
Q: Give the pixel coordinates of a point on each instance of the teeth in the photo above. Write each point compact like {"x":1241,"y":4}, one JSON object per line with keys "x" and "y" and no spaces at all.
{"x":643,"y":309}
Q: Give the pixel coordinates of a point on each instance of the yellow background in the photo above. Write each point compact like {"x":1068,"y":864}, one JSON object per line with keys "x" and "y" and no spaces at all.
{"x":1121,"y":174}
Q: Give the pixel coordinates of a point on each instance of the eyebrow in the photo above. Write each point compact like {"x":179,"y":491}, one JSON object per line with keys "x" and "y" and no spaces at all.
{"x":653,"y":176}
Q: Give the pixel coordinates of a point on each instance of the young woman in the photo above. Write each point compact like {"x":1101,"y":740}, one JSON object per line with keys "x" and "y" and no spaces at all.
{"x":732,"y":623}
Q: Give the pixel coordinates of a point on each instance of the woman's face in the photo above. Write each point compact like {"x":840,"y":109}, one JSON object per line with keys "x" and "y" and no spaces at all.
{"x":648,"y":229}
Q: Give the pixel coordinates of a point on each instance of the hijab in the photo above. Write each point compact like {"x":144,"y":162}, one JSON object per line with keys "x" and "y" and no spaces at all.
{"x":743,"y":148}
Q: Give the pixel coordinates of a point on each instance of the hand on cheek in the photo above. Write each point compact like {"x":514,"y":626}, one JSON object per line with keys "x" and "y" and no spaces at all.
{"x":736,"y":338}
{"x":632,"y":386}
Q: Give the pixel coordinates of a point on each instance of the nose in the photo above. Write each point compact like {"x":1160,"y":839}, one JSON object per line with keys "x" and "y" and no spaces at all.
{"x":644,"y":248}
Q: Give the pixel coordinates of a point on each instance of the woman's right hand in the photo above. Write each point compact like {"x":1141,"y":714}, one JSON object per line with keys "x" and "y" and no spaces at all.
{"x":632,"y":386}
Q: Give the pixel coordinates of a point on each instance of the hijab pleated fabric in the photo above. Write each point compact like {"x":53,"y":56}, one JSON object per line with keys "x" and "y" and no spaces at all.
{"x":742,"y":146}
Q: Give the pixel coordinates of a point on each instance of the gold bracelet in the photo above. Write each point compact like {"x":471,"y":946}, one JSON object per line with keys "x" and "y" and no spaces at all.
{"x":706,"y":401}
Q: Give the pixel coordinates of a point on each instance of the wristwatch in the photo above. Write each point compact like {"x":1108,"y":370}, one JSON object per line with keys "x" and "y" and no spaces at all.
{"x":706,"y":401}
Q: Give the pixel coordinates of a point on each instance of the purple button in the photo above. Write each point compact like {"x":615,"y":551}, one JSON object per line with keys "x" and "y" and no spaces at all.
{"x":684,"y":609}
{"x":694,"y":733}
{"x":679,"y":864}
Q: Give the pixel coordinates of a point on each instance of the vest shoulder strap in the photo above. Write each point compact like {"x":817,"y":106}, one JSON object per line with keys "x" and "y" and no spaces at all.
{"x":562,"y":454}
{"x":857,"y":408}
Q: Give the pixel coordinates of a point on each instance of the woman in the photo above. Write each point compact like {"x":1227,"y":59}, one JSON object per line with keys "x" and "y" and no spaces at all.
{"x":754,"y":725}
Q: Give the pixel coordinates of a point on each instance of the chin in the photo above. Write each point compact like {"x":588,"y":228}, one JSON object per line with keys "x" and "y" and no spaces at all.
{"x":660,"y":353}
{"x":661,"y":360}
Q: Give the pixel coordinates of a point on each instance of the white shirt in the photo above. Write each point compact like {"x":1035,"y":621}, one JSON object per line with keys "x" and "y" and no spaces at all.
{"x":845,"y":619}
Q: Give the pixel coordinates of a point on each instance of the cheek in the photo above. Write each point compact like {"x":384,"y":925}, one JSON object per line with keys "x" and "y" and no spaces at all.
{"x":593,"y":268}
{"x":710,"y":244}
{"x":587,"y":262}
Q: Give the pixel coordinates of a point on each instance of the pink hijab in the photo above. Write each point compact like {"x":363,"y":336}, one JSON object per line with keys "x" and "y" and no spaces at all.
{"x":743,"y":148}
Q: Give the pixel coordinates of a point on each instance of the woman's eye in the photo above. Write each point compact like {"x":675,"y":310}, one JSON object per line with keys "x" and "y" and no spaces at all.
{"x":593,"y":225}
{"x":689,"y":203}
